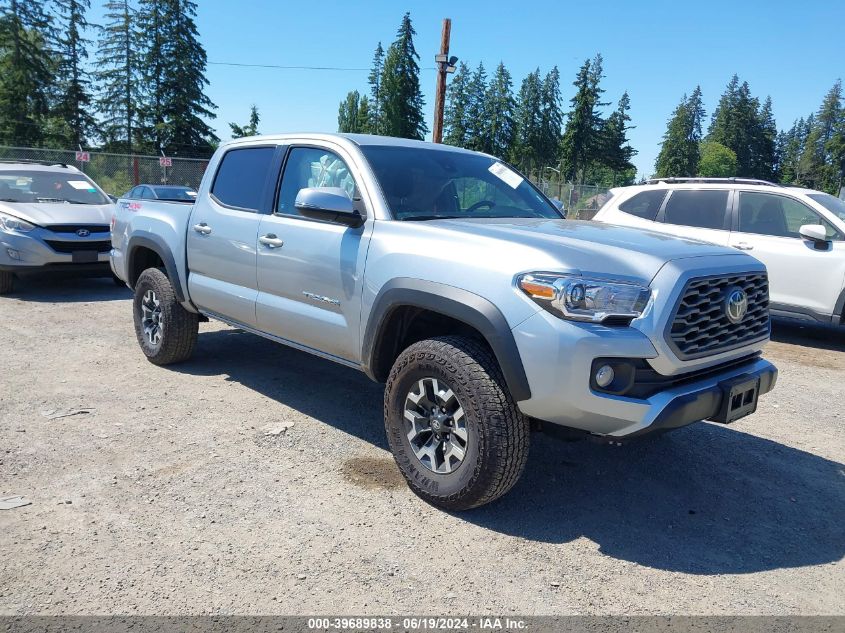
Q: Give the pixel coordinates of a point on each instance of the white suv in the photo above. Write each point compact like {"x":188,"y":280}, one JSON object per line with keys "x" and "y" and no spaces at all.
{"x":799,"y":234}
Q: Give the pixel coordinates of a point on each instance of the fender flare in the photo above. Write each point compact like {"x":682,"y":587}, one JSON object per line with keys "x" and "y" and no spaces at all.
{"x":143,"y":239}
{"x":459,"y":304}
{"x":839,"y":310}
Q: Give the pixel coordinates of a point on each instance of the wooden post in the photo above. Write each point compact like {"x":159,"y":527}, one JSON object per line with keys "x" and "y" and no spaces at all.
{"x":440,"y":92}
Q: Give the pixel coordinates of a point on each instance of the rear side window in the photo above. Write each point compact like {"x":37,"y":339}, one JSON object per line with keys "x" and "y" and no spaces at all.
{"x":645,"y":204}
{"x":702,"y":208}
{"x":241,"y":177}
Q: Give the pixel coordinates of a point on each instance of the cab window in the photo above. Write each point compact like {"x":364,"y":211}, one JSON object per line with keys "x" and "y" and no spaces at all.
{"x":701,"y":208}
{"x":241,"y":177}
{"x":311,"y":167}
{"x":778,"y":216}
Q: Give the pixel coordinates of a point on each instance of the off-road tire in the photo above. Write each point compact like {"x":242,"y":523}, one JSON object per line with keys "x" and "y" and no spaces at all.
{"x":6,"y":281}
{"x":498,"y":432}
{"x":179,"y":326}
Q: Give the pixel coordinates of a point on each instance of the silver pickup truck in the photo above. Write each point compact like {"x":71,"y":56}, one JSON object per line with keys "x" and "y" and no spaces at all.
{"x":448,"y":276}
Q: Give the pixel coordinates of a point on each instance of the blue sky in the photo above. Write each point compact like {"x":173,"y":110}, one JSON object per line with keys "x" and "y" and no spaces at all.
{"x":657,"y":51}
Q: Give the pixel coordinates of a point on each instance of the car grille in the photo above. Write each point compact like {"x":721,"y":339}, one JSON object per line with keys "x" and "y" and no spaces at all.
{"x":73,"y":228}
{"x":102,"y":246}
{"x":700,"y":326}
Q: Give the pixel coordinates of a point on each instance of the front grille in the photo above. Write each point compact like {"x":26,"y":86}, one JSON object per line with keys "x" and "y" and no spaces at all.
{"x":102,"y":246}
{"x":700,"y":326}
{"x":73,"y":228}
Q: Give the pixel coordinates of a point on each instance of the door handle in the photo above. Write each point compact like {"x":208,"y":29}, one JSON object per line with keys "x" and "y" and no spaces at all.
{"x":744,"y":246}
{"x":203,"y":228}
{"x":271,"y":241}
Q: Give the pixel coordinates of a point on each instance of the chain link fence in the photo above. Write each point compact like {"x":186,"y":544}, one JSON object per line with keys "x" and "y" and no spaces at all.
{"x":117,"y":173}
{"x":580,"y":201}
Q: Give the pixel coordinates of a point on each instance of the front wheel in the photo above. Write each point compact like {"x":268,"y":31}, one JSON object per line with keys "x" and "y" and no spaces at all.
{"x":166,"y":331}
{"x":452,"y":425}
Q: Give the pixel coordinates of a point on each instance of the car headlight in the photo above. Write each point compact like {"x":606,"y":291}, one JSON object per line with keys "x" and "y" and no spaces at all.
{"x":11,"y":223}
{"x":583,"y":299}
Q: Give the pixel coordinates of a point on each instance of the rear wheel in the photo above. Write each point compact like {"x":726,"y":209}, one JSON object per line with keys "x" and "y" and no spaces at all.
{"x":165,"y":330}
{"x":6,"y":281}
{"x":452,"y":425}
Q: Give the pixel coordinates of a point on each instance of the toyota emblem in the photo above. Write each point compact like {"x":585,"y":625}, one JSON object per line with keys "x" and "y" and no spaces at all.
{"x":83,"y":232}
{"x":736,"y":305}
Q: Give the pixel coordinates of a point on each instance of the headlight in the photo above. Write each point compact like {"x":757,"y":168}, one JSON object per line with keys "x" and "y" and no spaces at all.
{"x":581,"y":299}
{"x":11,"y":223}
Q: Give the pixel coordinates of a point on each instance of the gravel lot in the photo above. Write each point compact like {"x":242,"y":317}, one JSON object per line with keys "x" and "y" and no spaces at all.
{"x":162,"y":494}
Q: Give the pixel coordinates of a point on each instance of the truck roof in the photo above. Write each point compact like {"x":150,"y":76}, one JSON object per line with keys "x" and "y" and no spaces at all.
{"x":358,"y":139}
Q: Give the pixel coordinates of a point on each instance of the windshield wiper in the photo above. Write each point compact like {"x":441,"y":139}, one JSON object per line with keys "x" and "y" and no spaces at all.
{"x":10,"y":200}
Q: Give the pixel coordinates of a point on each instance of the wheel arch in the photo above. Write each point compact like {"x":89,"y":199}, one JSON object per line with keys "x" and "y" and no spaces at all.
{"x":138,"y":250}
{"x":383,"y":334}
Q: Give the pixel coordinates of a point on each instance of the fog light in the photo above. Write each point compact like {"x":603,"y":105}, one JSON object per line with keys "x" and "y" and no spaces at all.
{"x":604,"y":376}
{"x":13,"y":253}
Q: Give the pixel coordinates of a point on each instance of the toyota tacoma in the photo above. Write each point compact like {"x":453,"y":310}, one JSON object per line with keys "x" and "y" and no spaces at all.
{"x":448,"y":276}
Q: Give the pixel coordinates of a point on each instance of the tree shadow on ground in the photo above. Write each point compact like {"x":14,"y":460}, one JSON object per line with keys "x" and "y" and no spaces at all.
{"x":706,"y":499}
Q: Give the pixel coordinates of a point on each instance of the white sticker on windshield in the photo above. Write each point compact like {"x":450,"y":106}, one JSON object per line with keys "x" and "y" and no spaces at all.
{"x":82,"y":185}
{"x":505,"y":173}
{"x":193,"y":194}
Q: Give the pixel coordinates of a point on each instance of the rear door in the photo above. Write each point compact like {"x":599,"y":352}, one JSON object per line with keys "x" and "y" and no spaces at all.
{"x":310,"y":272}
{"x":701,"y":214}
{"x":223,"y":230}
{"x":802,"y":277}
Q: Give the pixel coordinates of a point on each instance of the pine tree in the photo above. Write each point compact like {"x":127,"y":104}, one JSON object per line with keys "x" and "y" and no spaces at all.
{"x":679,"y":155}
{"x":374,"y":80}
{"x":617,"y":152}
{"x":26,"y":71}
{"x":347,"y":114}
{"x":119,"y":76}
{"x":250,"y":129}
{"x":765,"y":158}
{"x":499,"y":114}
{"x":737,"y":124}
{"x":476,"y":105}
{"x":529,"y":104}
{"x":830,"y":120}
{"x":75,"y":104}
{"x":365,"y":116}
{"x":551,"y":118}
{"x":401,"y":101}
{"x":791,"y":147}
{"x":455,"y":121}
{"x":176,"y":105}
{"x":581,"y":138}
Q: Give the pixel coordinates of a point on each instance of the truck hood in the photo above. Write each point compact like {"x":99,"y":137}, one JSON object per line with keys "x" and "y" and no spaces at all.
{"x":589,"y":247}
{"x":45,"y":214}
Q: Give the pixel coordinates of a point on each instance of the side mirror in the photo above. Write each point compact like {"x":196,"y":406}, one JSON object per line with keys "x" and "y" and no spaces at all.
{"x":330,"y":204}
{"x":814,"y":233}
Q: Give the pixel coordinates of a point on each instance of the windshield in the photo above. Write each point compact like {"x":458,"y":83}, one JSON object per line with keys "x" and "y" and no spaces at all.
{"x":431,"y":184}
{"x":175,"y":193}
{"x":49,"y":186}
{"x":834,"y":205}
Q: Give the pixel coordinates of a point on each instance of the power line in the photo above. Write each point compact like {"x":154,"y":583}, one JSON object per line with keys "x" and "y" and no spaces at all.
{"x":281,"y":67}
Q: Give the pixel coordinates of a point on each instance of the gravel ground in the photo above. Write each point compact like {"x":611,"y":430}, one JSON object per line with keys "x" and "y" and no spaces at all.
{"x":163,"y":494}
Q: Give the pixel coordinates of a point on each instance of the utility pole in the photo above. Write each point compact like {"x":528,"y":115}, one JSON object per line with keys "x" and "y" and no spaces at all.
{"x":445,"y":66}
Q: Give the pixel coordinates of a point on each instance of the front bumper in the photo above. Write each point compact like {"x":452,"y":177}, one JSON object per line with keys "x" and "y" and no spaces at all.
{"x":26,"y":252}
{"x":558,"y":355}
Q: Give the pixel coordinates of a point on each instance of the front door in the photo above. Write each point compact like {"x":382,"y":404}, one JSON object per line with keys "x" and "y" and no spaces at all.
{"x":310,"y":272}
{"x":801,"y":277}
{"x":222,"y":235}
